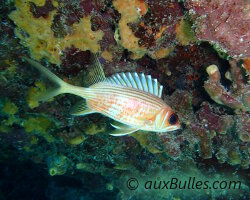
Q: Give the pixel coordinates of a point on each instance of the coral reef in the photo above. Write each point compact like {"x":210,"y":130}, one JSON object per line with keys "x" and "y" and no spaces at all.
{"x":206,"y":84}
{"x":213,"y":129}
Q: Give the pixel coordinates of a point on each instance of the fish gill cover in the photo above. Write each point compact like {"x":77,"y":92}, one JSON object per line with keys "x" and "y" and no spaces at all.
{"x":199,"y":52}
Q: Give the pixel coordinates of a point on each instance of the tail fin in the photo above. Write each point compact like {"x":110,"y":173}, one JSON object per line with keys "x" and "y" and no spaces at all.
{"x":63,"y":86}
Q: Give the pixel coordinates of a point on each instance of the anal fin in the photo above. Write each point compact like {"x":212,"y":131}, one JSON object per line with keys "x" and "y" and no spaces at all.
{"x":80,"y":109}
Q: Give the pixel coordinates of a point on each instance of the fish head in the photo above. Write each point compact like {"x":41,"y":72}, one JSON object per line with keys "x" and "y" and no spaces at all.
{"x":166,"y":120}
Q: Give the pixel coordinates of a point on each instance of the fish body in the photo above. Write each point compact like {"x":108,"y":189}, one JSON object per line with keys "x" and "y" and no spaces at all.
{"x":127,"y":105}
{"x":132,"y":100}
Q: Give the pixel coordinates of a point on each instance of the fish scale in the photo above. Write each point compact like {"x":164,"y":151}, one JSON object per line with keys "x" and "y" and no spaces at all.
{"x":124,"y":109}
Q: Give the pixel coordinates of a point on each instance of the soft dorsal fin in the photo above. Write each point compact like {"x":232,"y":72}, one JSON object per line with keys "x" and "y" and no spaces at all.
{"x":140,"y":82}
{"x":81,"y":109}
{"x":95,"y":72}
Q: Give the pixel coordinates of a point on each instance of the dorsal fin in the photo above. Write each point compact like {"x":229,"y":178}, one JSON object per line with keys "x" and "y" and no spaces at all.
{"x":95,"y":72}
{"x":140,"y":82}
{"x":81,"y":108}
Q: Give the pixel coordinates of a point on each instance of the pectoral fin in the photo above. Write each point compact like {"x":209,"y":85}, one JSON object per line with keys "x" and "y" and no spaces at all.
{"x":119,"y":125}
{"x":122,"y":132}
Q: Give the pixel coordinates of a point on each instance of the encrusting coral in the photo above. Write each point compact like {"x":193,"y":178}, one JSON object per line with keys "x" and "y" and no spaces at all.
{"x":156,"y":28}
{"x":33,"y":92}
{"x":130,"y":13}
{"x":57,"y":164}
{"x":184,"y":33}
{"x":223,"y":23}
{"x":39,"y":125}
{"x":9,"y":108}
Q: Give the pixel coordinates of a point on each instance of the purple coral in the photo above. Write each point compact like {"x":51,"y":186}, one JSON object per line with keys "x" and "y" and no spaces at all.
{"x":237,"y":97}
{"x":221,"y":22}
{"x":41,"y":11}
{"x":243,"y":127}
{"x":74,"y":60}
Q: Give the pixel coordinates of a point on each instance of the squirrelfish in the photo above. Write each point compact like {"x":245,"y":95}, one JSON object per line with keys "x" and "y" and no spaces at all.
{"x":133,"y":100}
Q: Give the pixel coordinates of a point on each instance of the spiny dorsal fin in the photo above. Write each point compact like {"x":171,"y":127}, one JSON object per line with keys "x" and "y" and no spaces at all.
{"x":140,"y":82}
{"x":95,"y":72}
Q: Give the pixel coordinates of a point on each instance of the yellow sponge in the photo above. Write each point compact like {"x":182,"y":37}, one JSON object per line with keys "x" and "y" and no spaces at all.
{"x":36,"y":33}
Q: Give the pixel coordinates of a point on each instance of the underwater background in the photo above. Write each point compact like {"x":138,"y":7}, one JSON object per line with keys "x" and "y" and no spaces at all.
{"x":198,"y":50}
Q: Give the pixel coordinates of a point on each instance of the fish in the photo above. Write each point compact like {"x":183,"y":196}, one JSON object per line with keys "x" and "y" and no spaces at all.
{"x":132,"y":100}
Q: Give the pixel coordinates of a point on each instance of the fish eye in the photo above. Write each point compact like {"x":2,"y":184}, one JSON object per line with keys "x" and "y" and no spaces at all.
{"x":173,"y":119}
